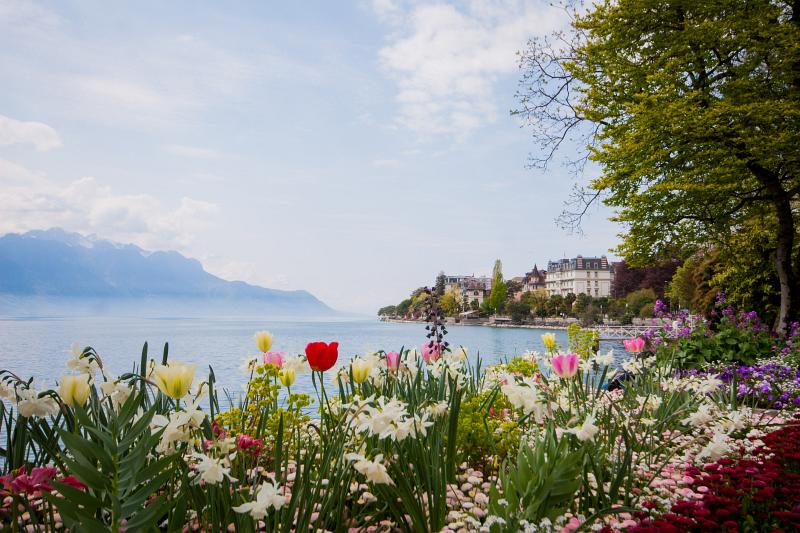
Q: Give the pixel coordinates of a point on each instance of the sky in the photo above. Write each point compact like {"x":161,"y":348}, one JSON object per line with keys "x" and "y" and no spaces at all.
{"x":352,"y":149}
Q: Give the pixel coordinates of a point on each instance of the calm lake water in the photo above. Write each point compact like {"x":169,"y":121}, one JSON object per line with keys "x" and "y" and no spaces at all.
{"x":39,"y":347}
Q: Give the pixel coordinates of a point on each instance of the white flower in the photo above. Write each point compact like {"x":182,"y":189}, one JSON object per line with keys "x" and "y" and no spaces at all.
{"x":701,"y":417}
{"x":374,"y":471}
{"x":7,"y":392}
{"x":632,"y":366}
{"x":716,"y":448}
{"x":650,"y":402}
{"x":249,"y":364}
{"x":708,"y":385}
{"x":732,"y":421}
{"x":267,"y":496}
{"x":438,"y":409}
{"x":585,"y":431}
{"x":525,"y":396}
{"x":605,"y":360}
{"x":211,"y":470}
{"x":30,"y":405}
{"x":296,"y":363}
{"x":117,"y":391}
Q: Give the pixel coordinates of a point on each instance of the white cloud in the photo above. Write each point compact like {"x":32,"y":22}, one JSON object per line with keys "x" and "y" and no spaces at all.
{"x":40,"y":135}
{"x":196,"y":152}
{"x":448,"y":58}
{"x":86,"y":206}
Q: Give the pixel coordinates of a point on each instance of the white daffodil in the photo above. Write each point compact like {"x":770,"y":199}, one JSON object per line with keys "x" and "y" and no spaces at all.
{"x":716,"y":448}
{"x":267,"y":496}
{"x":701,"y":417}
{"x":117,"y":391}
{"x":30,"y":405}
{"x":585,"y":431}
{"x":210,"y":470}
{"x":374,"y":471}
{"x":605,"y":360}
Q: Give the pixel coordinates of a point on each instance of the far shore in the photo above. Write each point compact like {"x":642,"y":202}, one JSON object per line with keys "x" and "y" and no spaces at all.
{"x":480,"y":322}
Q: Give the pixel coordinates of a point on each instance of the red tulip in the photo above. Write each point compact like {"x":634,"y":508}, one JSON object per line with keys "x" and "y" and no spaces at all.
{"x":321,"y":356}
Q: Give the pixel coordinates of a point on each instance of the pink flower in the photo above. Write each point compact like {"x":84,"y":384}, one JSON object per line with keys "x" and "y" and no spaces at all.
{"x":274,"y":359}
{"x":634,"y":345}
{"x":246,"y":443}
{"x":431,"y":351}
{"x":392,"y":361}
{"x":565,"y":365}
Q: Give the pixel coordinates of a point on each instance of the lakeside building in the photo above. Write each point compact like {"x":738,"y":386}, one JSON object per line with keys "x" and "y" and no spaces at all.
{"x":470,"y":288}
{"x":580,"y":275}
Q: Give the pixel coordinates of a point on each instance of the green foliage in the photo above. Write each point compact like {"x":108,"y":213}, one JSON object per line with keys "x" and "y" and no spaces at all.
{"x":486,"y":436}
{"x":111,"y":453}
{"x":518,"y":310}
{"x":584,"y":342}
{"x":640,"y":303}
{"x":450,"y":303}
{"x":541,"y":484}
{"x":389,"y":310}
{"x":497,"y":297}
{"x":727,"y":345}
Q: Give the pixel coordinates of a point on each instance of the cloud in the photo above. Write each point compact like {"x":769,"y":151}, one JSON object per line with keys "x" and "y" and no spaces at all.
{"x":40,"y":135}
{"x":87,"y":206}
{"x":447,"y":59}
{"x":196,"y":152}
{"x":383,"y":163}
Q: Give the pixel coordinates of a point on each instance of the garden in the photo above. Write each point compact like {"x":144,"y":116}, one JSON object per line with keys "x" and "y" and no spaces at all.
{"x":695,"y":431}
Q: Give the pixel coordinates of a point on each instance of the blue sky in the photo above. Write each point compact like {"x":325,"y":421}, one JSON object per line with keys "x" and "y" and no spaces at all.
{"x":351,"y":149}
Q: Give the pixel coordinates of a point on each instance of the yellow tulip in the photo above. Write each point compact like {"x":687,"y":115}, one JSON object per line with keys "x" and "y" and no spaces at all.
{"x":287,"y":376}
{"x":361,"y":369}
{"x":549,"y":341}
{"x":74,"y":390}
{"x":174,"y":379}
{"x":263,"y":341}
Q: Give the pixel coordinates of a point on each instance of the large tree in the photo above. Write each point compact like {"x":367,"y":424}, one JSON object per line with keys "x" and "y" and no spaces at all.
{"x":497,"y":296}
{"x":692,"y":111}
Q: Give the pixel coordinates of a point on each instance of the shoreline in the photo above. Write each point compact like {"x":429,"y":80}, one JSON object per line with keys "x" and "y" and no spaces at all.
{"x":478,"y":324}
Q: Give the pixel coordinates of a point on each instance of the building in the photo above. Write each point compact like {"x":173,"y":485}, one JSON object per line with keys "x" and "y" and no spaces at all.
{"x":580,"y":275}
{"x":469,"y":288}
{"x":535,"y":279}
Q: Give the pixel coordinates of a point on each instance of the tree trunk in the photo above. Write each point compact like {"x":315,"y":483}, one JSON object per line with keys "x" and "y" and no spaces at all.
{"x":787,"y":276}
{"x":784,"y":266}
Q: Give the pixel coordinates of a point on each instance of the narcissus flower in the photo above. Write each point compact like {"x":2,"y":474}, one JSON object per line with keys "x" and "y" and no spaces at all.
{"x":549,"y":341}
{"x":174,"y":379}
{"x":263,"y":341}
{"x":74,"y":390}
{"x":634,"y":345}
{"x":287,"y":376}
{"x":321,"y":355}
{"x":565,"y":365}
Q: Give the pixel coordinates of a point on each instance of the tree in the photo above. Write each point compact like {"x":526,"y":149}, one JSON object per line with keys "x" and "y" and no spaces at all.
{"x":537,"y":300}
{"x":692,"y":111}
{"x":403,"y":307}
{"x":389,"y":310}
{"x":440,"y":284}
{"x":497,"y":296}
{"x":518,"y":310}
{"x":450,"y":302}
{"x":628,"y":278}
{"x":513,"y":287}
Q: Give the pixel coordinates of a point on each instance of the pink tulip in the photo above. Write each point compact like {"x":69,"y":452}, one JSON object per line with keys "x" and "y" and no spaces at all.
{"x":634,"y":345}
{"x":565,"y":365}
{"x":274,"y":359}
{"x":392,"y":361}
{"x":431,"y":351}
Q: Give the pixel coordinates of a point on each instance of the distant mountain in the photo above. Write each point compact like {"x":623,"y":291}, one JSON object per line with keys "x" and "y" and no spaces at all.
{"x":51,"y":267}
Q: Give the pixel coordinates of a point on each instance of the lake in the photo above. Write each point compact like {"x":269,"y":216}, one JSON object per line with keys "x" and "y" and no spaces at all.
{"x":39,"y":347}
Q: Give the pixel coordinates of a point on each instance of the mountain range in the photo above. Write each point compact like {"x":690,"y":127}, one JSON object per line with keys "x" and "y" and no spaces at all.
{"x":56,"y":271}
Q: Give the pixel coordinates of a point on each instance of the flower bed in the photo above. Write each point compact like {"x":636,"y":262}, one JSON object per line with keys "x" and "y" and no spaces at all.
{"x":416,"y":440}
{"x":760,"y":492}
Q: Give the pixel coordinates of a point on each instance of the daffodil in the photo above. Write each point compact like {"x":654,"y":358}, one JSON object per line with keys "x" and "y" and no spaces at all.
{"x":74,"y":390}
{"x":174,"y":379}
{"x":263,"y":341}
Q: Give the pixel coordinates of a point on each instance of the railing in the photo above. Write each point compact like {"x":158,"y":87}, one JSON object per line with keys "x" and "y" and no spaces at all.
{"x":609,"y":333}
